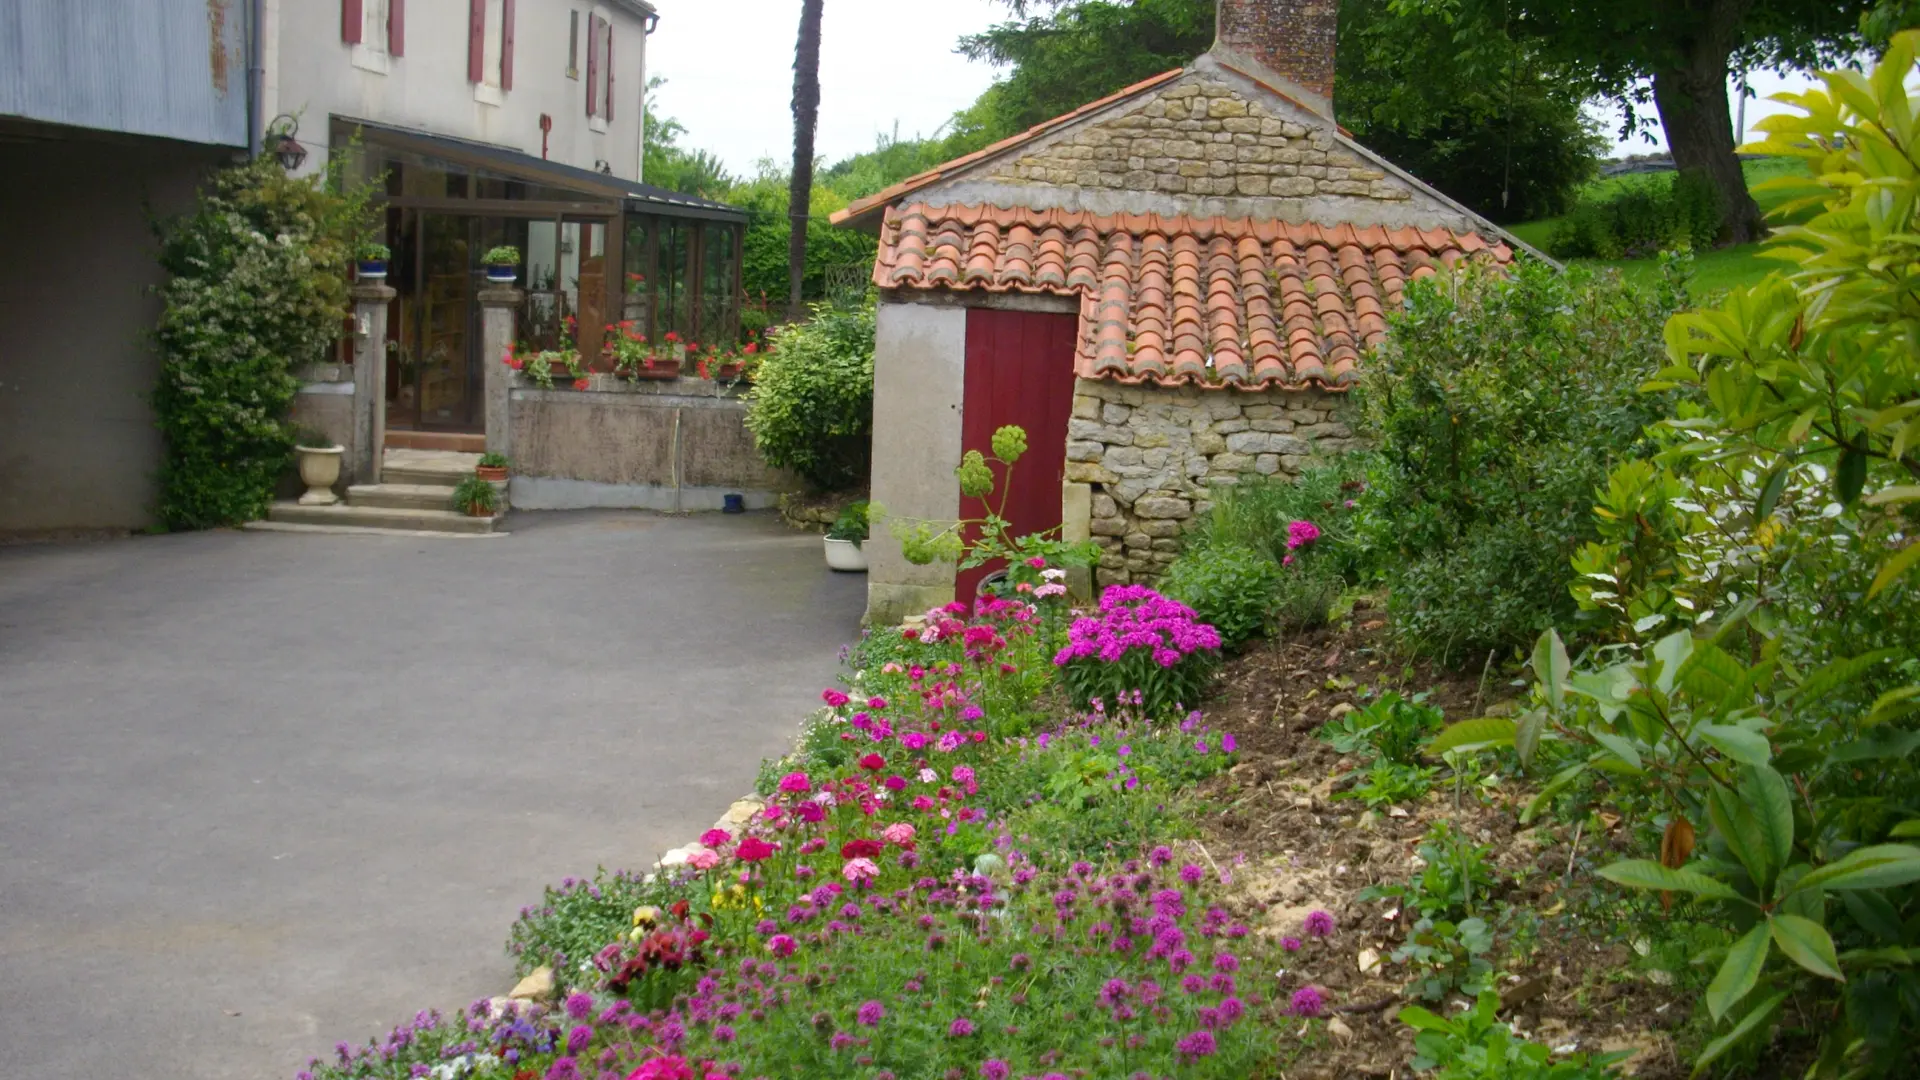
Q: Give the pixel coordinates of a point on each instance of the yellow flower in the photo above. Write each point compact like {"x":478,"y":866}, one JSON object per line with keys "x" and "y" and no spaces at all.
{"x":646,"y":915}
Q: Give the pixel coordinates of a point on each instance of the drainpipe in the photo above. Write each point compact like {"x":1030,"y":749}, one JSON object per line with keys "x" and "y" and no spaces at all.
{"x":640,"y":152}
{"x":256,"y":78}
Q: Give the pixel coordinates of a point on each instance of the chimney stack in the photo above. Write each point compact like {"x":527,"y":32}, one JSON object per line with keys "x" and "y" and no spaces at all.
{"x":1291,"y":40}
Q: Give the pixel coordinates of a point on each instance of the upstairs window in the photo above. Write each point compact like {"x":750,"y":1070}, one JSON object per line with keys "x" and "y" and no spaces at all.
{"x":490,"y":44}
{"x":377,"y":26}
{"x":599,"y":68}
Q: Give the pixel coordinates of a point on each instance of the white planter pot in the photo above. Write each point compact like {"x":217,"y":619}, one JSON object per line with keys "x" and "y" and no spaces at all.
{"x":320,"y":470}
{"x":846,"y":555}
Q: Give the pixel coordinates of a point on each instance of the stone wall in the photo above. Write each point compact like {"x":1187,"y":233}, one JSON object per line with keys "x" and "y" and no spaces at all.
{"x":1201,"y":136}
{"x":1151,"y":455}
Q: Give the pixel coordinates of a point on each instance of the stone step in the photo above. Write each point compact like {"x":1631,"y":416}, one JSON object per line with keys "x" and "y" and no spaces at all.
{"x":380,"y":517}
{"x":423,"y":475}
{"x":401,"y":496}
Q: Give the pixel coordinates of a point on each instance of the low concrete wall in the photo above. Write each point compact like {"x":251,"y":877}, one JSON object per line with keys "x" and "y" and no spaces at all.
{"x":673,"y":445}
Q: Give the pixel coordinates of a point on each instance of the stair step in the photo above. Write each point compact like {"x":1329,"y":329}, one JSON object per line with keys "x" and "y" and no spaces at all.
{"x":401,"y":496}
{"x":380,"y":517}
{"x":436,"y":440}
{"x":422,"y":475}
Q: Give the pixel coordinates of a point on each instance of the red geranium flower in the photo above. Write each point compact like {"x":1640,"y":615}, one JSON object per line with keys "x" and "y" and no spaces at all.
{"x":582,"y":384}
{"x":754,"y":849}
{"x":873,"y":763}
{"x":861,"y":849}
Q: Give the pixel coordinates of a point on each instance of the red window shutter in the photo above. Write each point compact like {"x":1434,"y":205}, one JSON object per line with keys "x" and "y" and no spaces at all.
{"x":593,"y":65}
{"x":506,"y":44}
{"x":397,"y":27}
{"x":609,"y":33}
{"x":350,"y":18}
{"x":476,"y":40}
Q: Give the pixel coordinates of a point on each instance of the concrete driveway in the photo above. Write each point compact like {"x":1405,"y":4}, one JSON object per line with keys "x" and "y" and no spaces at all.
{"x":260,"y":793}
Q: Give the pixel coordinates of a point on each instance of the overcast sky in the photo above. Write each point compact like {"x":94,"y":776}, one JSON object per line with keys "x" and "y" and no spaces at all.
{"x":884,"y":64}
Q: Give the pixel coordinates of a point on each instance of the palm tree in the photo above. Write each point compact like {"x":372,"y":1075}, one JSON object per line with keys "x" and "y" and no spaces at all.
{"x":806,"y":117}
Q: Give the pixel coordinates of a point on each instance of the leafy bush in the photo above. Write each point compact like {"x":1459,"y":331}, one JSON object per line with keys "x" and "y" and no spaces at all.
{"x":1258,"y":513}
{"x":1499,"y":404}
{"x":1477,"y":1045}
{"x":1228,"y":586}
{"x":1645,"y":217}
{"x":257,"y":288}
{"x":811,"y":407}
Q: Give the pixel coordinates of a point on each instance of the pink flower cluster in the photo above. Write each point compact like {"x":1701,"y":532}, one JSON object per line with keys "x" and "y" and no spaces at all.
{"x":1136,"y":617}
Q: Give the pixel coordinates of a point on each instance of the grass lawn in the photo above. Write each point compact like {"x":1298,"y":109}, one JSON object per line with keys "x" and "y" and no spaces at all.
{"x":1722,"y":268}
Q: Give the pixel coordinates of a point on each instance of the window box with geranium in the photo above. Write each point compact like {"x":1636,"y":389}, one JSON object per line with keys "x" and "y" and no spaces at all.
{"x":503,"y":264}
{"x":538,"y":367}
{"x":634,"y":359}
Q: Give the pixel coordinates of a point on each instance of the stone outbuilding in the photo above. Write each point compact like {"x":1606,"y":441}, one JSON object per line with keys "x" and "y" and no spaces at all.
{"x":1169,"y":288}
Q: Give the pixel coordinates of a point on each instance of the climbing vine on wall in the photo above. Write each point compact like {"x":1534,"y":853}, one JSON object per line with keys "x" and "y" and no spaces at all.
{"x":257,"y":287}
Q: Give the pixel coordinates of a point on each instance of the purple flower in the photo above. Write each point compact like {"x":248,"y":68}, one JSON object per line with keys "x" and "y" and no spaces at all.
{"x":1226,"y":962}
{"x":1160,"y":856}
{"x":994,"y":1069}
{"x":578,"y":1038}
{"x":579,"y":1005}
{"x":1307,"y":1002}
{"x":563,"y":1069}
{"x":1191,"y":874}
{"x":1318,"y":924}
{"x":1291,"y":944}
{"x":1301,"y":533}
{"x":960,"y":1028}
{"x":871,"y":1013}
{"x":1195,"y":1046}
{"x":1228,"y":743}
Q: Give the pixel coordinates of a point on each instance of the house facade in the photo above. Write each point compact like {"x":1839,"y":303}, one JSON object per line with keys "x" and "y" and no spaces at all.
{"x":485,"y":122}
{"x":1171,"y":288}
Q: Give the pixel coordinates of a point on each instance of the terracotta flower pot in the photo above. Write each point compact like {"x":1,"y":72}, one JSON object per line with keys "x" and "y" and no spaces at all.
{"x":479,"y":511}
{"x":492,"y":474}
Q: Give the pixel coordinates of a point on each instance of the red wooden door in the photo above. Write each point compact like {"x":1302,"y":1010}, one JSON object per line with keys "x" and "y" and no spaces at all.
{"x":1019,"y":371}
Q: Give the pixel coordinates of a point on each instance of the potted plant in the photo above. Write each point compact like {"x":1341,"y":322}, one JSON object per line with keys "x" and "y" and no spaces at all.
{"x":475,"y":497}
{"x":371,"y":263}
{"x":492,"y":467}
{"x":503,"y":264}
{"x":319,"y":459}
{"x":844,"y":539}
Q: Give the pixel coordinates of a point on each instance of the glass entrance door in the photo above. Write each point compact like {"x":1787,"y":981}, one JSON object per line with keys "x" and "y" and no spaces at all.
{"x":432,"y":378}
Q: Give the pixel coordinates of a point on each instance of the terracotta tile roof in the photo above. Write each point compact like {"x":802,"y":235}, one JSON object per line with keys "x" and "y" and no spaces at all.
{"x":911,"y":184}
{"x":1270,"y":303}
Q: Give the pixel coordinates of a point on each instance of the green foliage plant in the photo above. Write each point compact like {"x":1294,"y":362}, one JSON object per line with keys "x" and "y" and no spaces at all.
{"x":1227,"y":585}
{"x":1454,"y":883}
{"x":1821,"y":363}
{"x":925,"y":542}
{"x":1641,"y":219}
{"x":1499,"y":404}
{"x":503,"y":255}
{"x":1478,"y":1045}
{"x":372,"y":251}
{"x":493,"y":459}
{"x":257,"y":279}
{"x":1447,"y":957}
{"x":475,"y":496}
{"x":1386,"y":735}
{"x":852,"y":523}
{"x":811,"y":407}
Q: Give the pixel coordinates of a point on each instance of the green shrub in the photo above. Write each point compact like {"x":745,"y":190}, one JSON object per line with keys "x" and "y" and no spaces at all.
{"x":1497,"y":406}
{"x":811,"y":407}
{"x":1304,"y":596}
{"x":1226,"y":584}
{"x":1643,"y":218}
{"x":1257,"y":511}
{"x":257,"y":287}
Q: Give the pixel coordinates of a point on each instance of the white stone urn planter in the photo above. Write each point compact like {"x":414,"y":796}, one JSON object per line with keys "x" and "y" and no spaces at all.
{"x":846,"y":555}
{"x":320,"y":470}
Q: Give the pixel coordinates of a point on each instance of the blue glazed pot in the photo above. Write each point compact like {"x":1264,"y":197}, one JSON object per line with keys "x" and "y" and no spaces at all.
{"x":373,"y":269}
{"x":502,"y":275}
{"x":733,"y":504}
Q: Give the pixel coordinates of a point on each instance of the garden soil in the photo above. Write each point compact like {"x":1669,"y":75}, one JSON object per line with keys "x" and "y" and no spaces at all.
{"x":1300,"y":847}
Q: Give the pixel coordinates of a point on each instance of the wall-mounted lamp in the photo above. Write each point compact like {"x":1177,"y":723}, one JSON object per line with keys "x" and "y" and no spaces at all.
{"x":281,"y":144}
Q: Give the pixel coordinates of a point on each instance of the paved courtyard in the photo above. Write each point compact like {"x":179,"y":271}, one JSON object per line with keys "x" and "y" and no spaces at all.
{"x":260,"y":793}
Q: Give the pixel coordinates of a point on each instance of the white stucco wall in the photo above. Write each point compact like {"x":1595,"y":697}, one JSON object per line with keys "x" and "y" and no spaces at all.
{"x":311,"y":72}
{"x":919,"y":381}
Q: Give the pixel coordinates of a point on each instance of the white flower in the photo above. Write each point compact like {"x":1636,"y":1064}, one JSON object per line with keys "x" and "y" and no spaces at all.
{"x":928,"y":776}
{"x":1054,"y":573}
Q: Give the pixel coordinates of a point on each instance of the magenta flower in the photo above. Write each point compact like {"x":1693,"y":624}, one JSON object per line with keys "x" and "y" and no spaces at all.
{"x":871,"y":1013}
{"x":1318,"y":924}
{"x":1301,"y":533}
{"x":1291,"y":944}
{"x":960,"y":1028}
{"x":1196,"y":1046}
{"x":834,"y":698}
{"x":1191,"y":874}
{"x":995,"y":1069}
{"x":1307,"y":1002}
{"x":781,"y":945}
{"x":795,"y":783}
{"x":1228,"y":743}
{"x":579,"y":1005}
{"x":578,"y":1038}
{"x":1160,"y":856}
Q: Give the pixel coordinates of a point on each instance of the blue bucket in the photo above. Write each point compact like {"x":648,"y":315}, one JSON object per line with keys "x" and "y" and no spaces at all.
{"x":733,"y":504}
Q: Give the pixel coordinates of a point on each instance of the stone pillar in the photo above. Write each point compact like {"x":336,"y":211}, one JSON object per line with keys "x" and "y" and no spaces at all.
{"x":370,"y":300}
{"x":1076,"y":527}
{"x":499,"y":310}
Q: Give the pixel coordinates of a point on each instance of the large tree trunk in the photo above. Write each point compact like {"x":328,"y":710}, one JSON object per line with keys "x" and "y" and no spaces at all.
{"x":1691,"y":95}
{"x":806,"y":116}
